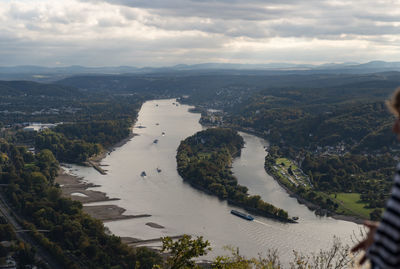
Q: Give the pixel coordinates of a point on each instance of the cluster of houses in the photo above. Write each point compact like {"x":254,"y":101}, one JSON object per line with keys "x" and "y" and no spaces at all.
{"x":338,"y":149}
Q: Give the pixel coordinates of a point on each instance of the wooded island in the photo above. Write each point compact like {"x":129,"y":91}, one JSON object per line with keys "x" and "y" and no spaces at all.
{"x":205,"y":159}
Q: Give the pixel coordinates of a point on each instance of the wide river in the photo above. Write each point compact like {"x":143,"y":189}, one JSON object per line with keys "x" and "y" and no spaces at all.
{"x":183,"y":210}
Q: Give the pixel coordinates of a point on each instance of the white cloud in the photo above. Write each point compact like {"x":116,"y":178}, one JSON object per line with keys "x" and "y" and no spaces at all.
{"x":163,"y":32}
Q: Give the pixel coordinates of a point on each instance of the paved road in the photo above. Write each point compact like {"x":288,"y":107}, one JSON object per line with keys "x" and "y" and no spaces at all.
{"x":41,"y":253}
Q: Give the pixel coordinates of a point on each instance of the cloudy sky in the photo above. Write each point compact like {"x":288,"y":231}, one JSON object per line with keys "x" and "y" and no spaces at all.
{"x":168,"y":32}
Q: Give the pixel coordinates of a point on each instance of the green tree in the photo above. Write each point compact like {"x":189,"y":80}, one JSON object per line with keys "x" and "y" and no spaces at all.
{"x":237,"y":261}
{"x":184,"y":250}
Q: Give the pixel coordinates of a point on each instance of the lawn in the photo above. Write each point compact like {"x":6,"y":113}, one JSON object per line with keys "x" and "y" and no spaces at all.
{"x":349,"y":203}
{"x":352,"y":202}
{"x":285,"y":161}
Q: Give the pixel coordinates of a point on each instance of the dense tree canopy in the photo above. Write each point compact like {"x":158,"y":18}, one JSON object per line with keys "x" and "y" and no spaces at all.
{"x":204,"y":160}
{"x":34,"y":195}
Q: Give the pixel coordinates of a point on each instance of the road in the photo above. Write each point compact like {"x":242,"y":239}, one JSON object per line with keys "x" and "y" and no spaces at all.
{"x":41,"y":253}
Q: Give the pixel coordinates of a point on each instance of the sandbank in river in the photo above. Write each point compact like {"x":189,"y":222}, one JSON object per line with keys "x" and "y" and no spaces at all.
{"x":77,"y":189}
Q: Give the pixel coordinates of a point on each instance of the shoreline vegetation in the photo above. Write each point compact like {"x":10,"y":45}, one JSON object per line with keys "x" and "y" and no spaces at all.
{"x":297,"y":185}
{"x":72,"y":184}
{"x":75,"y":239}
{"x":292,"y":193}
{"x":95,"y":160}
{"x":106,"y":213}
{"x":301,"y":200}
{"x":312,"y":206}
{"x":204,"y":160}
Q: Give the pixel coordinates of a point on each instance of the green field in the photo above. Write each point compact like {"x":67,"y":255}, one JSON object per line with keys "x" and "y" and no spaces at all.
{"x":350,"y":203}
{"x":287,"y":162}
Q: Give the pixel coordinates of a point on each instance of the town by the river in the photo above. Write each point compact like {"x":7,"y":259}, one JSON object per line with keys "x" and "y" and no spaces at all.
{"x":181,"y":209}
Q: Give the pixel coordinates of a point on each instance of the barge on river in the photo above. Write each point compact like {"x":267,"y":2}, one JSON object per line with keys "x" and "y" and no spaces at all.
{"x":242,"y":215}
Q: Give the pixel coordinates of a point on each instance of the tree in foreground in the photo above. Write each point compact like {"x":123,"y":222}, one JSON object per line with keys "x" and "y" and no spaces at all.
{"x":237,"y":261}
{"x":182,"y":251}
{"x":337,"y":257}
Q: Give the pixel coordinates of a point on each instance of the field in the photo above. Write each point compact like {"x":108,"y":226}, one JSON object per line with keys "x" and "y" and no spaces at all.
{"x":350,"y":203}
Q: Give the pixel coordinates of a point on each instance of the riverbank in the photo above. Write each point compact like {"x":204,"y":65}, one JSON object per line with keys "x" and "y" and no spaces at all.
{"x":205,"y":159}
{"x":130,"y":241}
{"x":75,"y":188}
{"x":108,"y":213}
{"x":313,"y":207}
{"x":94,"y":161}
{"x":185,"y":210}
{"x":310,"y":205}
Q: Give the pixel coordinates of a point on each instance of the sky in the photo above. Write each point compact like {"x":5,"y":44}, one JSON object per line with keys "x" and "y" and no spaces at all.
{"x":168,"y":32}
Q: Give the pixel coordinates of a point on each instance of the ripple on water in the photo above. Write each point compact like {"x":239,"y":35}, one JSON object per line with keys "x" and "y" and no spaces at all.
{"x":182,"y":209}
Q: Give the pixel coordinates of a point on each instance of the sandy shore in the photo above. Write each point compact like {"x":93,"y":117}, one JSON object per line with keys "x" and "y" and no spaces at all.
{"x":75,"y":188}
{"x":130,"y":241}
{"x":155,"y":225}
{"x":110,"y":213}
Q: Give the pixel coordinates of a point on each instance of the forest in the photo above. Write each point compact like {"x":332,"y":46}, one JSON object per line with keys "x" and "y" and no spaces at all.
{"x":340,"y":119}
{"x":336,"y":128}
{"x":33,"y":194}
{"x":344,"y":146}
{"x":86,"y":124}
{"x":204,"y":160}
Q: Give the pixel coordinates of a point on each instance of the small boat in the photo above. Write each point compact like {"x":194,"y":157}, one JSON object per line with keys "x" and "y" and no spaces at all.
{"x":242,"y":215}
{"x":155,"y":141}
{"x":158,"y":170}
{"x":143,"y":174}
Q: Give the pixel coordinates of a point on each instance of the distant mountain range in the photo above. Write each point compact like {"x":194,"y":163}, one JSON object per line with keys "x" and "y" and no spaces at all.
{"x":40,"y":73}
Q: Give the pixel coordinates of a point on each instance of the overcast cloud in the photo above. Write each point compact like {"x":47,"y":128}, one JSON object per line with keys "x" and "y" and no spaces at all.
{"x":168,"y":32}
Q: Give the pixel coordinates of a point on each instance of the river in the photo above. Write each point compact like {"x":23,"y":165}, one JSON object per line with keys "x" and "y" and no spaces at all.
{"x":181,"y":209}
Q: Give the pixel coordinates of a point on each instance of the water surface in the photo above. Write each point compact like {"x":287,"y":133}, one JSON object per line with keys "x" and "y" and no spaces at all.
{"x":181,"y":209}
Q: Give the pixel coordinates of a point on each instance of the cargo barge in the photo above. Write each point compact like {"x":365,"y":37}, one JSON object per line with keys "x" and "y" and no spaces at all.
{"x":242,"y":215}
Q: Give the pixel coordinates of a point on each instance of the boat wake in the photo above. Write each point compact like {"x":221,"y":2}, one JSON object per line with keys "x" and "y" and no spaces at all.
{"x":263,"y":223}
{"x":273,"y":226}
{"x":288,"y":231}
